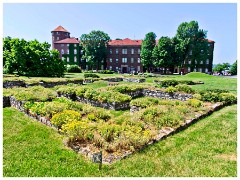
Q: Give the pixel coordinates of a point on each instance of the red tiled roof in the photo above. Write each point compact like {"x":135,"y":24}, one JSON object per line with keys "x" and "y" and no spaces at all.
{"x":126,"y":41}
{"x":60,"y":28}
{"x":68,"y":41}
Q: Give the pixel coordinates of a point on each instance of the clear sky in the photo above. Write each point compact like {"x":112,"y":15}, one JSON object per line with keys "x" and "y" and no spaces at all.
{"x":36,"y":21}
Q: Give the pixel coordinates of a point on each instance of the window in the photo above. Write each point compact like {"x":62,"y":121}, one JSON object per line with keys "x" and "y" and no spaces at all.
{"x":63,"y":58}
{"x":189,"y":61}
{"x":67,"y":45}
{"x":67,"y":59}
{"x":116,"y":51}
{"x":190,"y":52}
{"x":138,"y":60}
{"x":206,"y":70}
{"x":124,"y":51}
{"x":189,"y":69}
{"x":195,"y":61}
{"x":62,"y":51}
{"x":81,"y":51}
{"x":138,"y":51}
{"x":62,"y":45}
{"x":68,"y":51}
{"x":110,"y":59}
{"x":132,"y":51}
{"x":75,"y":51}
{"x":132,"y":60}
{"x":53,"y":38}
{"x":57,"y":38}
{"x":116,"y":60}
{"x":199,"y":69}
{"x":138,"y":68}
{"x":209,"y":45}
{"x":75,"y":45}
{"x":75,"y":59}
{"x":207,"y":61}
{"x":110,"y":67}
{"x":57,"y":32}
{"x":124,"y":60}
{"x":110,"y":51}
{"x":201,"y":62}
{"x":116,"y":68}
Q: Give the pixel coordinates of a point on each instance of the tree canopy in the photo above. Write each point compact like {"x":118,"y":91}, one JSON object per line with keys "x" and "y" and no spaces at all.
{"x":233,"y":69}
{"x":94,"y":47}
{"x":191,"y":42}
{"x":31,"y":58}
{"x":147,"y":47}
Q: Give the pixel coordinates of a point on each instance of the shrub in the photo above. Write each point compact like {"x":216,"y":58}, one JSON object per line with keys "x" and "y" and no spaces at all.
{"x":88,"y":75}
{"x":184,"y":88}
{"x":194,"y":102}
{"x":35,"y":93}
{"x":73,"y":69}
{"x":227,"y":98}
{"x":197,"y":96}
{"x":65,"y":117}
{"x":187,"y":82}
{"x":144,"y":102}
{"x":170,"y":89}
{"x":81,"y":131}
{"x":167,"y":83}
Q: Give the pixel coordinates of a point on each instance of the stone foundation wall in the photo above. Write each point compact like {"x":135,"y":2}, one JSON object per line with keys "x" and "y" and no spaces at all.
{"x":112,"y":106}
{"x":11,"y":84}
{"x":134,"y":80}
{"x":165,"y":95}
{"x":113,"y":79}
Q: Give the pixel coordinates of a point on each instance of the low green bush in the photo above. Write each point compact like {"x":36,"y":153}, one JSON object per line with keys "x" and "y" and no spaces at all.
{"x":106,"y":71}
{"x":90,"y":75}
{"x":34,"y":93}
{"x":144,"y":102}
{"x":184,"y":88}
{"x":73,"y":69}
{"x":228,"y":98}
{"x":171,"y":89}
{"x":194,"y":102}
{"x":167,"y":83}
{"x":65,"y":117}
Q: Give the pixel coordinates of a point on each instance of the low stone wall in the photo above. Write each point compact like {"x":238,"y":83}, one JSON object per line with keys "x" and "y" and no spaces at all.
{"x":11,"y":84}
{"x":134,"y":80}
{"x":20,"y":106}
{"x":165,"y":95}
{"x":135,"y":94}
{"x":112,"y":106}
{"x":113,"y":79}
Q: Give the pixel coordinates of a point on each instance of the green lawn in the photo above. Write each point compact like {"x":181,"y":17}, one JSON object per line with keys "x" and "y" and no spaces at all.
{"x":207,"y":148}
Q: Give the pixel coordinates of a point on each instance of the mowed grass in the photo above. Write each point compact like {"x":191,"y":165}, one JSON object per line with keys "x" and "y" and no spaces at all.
{"x":207,"y":148}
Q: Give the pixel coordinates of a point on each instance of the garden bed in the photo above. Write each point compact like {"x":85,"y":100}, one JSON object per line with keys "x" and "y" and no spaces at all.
{"x":90,"y":129}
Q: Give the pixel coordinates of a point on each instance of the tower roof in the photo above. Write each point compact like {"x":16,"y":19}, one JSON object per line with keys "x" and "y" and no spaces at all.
{"x":71,"y":40}
{"x":60,"y":28}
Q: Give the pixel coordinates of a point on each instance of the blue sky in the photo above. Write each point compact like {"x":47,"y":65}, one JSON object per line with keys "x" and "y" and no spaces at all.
{"x":36,"y":21}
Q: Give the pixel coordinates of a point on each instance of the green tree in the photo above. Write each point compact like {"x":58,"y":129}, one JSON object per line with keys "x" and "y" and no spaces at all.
{"x":94,"y":47}
{"x":163,"y":53}
{"x":221,"y":67}
{"x":31,"y":58}
{"x":233,"y":69}
{"x":191,"y":43}
{"x":147,"y":47}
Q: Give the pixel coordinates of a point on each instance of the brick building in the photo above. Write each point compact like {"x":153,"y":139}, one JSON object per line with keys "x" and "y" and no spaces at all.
{"x":204,"y":66}
{"x":67,"y":46}
{"x":124,"y":55}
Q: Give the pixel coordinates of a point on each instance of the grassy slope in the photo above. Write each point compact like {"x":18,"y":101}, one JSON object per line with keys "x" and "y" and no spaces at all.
{"x":207,"y":148}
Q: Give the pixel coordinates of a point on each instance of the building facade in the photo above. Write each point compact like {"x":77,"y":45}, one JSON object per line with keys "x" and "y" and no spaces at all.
{"x":124,"y":55}
{"x":68,"y":47}
{"x":193,"y":65}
